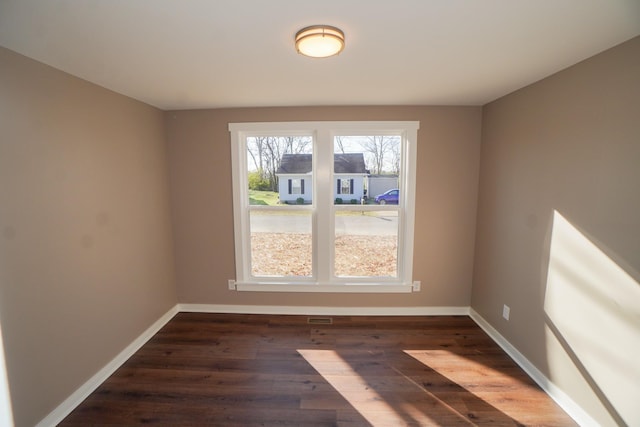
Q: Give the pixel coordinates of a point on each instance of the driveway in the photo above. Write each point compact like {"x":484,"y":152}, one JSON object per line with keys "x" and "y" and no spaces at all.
{"x":385,"y":224}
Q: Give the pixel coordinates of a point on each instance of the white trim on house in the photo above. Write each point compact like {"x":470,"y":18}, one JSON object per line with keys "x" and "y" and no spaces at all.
{"x":76,"y":398}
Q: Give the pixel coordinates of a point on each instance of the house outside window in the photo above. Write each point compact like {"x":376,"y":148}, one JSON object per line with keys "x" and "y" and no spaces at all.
{"x":322,"y":234}
{"x":295,"y":170}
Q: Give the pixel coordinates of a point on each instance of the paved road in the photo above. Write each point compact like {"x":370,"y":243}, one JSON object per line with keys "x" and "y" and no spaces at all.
{"x":364,"y":225}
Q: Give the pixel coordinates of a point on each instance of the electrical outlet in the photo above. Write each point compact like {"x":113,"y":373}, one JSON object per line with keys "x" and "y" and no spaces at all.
{"x":232,"y":285}
{"x":416,"y":286}
{"x":506,"y":311}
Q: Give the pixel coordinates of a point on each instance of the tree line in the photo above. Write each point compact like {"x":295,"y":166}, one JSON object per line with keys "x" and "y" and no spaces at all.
{"x":265,"y":154}
{"x":381,"y":155}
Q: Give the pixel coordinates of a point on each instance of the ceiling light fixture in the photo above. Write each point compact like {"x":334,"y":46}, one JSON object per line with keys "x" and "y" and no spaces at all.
{"x":319,"y":41}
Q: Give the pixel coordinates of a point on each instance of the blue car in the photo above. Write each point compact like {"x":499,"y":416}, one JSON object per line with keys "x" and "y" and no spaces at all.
{"x":389,"y":196}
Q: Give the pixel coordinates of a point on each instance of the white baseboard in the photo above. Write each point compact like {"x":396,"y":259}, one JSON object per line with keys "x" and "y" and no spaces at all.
{"x":65,"y":408}
{"x":565,"y":402}
{"x":574,"y":410}
{"x":325,"y":311}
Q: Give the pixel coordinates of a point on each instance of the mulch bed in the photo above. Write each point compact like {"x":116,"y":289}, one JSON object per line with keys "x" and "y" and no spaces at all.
{"x":289,"y":254}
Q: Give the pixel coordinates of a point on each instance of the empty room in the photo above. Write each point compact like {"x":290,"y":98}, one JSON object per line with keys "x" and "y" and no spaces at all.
{"x":338,"y":213}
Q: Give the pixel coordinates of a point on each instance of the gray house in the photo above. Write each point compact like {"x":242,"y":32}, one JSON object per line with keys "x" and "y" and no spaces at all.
{"x":294,"y":177}
{"x":378,"y":184}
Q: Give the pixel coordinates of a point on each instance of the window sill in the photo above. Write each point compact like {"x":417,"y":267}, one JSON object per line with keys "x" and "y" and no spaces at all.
{"x":321,"y":288}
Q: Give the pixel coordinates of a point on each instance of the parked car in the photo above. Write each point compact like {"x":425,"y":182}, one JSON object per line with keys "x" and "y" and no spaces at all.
{"x":389,"y":196}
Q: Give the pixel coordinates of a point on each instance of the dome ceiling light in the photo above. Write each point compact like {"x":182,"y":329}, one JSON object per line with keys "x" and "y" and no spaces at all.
{"x":319,"y":41}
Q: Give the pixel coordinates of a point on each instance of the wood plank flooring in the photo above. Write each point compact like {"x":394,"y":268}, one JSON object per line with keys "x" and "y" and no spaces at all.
{"x":256,"y":370}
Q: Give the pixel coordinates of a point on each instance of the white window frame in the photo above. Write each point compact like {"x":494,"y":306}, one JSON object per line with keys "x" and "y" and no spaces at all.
{"x":322,"y":209}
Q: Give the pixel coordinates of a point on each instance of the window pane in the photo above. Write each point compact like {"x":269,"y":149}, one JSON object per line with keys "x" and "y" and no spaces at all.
{"x":366,"y":244}
{"x":279,"y":170}
{"x":365,"y":166}
{"x":281,"y":243}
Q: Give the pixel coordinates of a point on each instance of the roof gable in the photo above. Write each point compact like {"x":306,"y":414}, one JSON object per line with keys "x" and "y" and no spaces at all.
{"x":302,"y":163}
{"x":349,"y":163}
{"x":295,"y":163}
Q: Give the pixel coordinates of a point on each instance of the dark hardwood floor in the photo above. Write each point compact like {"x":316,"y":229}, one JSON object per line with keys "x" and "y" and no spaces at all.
{"x":255,"y":370}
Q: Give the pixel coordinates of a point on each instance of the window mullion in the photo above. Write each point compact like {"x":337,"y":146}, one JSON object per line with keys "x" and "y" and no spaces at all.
{"x":408,"y":187}
{"x":241,"y":206}
{"x":323,"y":244}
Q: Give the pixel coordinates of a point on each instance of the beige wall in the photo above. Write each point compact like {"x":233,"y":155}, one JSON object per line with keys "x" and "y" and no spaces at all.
{"x":85,"y":246}
{"x":558,"y":235}
{"x":200,"y":170}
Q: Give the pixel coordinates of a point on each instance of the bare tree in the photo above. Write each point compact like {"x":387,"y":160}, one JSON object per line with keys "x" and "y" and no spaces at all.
{"x":340,"y":144}
{"x":395,"y":158}
{"x":377,"y":148}
{"x":266,"y":153}
{"x":296,"y":144}
{"x":255,"y":148}
{"x":273,"y":159}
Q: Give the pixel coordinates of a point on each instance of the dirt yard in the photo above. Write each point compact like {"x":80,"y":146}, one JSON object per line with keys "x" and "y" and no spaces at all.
{"x":288,"y":254}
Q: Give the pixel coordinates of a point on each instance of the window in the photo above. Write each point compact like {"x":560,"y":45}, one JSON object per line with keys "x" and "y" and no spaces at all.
{"x":296,"y":186}
{"x":345,"y":186}
{"x":304,"y":219}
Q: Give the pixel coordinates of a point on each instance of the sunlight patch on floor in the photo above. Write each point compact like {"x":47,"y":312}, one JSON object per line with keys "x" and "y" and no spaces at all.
{"x":357,"y":392}
{"x":462,"y":369}
{"x":490,"y":386}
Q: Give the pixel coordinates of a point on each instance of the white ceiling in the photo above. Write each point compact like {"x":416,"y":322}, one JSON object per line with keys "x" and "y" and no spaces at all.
{"x":182,"y":54}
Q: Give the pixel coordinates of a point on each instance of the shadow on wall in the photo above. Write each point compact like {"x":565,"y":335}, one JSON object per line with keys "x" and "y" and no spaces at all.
{"x":592,"y":308}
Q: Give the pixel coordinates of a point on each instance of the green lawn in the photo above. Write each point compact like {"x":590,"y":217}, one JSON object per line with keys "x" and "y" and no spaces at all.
{"x":268,"y":198}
